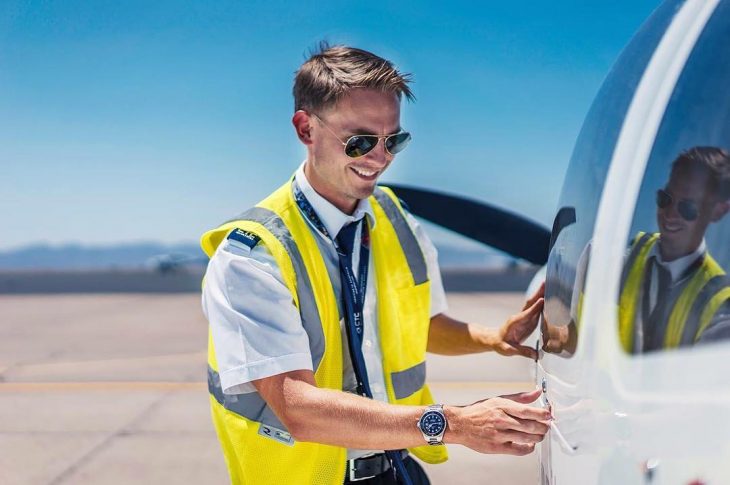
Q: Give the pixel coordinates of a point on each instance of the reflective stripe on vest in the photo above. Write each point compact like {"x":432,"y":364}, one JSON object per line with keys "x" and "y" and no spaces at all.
{"x":408,"y":381}
{"x":713,"y":294}
{"x":693,"y":309}
{"x":250,"y":405}
{"x":632,"y":276}
{"x":407,"y":239}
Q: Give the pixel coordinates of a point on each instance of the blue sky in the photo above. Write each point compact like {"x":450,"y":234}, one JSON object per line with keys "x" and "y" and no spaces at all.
{"x":129,"y":121}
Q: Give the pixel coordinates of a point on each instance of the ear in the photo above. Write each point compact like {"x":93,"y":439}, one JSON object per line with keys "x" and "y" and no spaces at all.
{"x":302,"y":125}
{"x":719,"y":211}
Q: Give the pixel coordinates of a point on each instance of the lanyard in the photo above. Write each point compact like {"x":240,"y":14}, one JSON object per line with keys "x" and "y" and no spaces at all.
{"x":353,"y":290}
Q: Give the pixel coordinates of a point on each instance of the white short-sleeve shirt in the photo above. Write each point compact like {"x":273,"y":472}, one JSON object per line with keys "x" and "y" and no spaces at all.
{"x":256,"y":328}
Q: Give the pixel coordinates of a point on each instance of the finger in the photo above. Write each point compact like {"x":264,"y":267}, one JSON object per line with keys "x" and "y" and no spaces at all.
{"x":525,"y":351}
{"x":519,"y":449}
{"x":536,"y":307}
{"x":527,"y":412}
{"x":535,"y":296}
{"x":520,"y":437}
{"x":523,"y":397}
{"x":525,"y":425}
{"x":531,"y":312}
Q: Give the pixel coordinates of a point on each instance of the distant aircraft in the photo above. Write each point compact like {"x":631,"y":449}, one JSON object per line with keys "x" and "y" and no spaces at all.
{"x":171,"y":262}
{"x":623,"y":415}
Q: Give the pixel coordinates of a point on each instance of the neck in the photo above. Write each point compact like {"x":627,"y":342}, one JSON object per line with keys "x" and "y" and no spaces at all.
{"x":345,"y":204}
{"x":671,"y":254}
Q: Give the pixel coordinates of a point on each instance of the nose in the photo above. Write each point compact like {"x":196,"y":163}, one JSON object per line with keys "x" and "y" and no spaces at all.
{"x":379,"y":154}
{"x":671,"y":210}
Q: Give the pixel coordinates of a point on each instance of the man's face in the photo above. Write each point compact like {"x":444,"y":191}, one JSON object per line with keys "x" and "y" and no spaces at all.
{"x":338,"y":178}
{"x":680,"y":236}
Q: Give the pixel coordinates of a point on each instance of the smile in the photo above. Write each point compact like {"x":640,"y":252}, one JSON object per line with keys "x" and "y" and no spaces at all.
{"x":671,"y":227}
{"x":366,"y":174}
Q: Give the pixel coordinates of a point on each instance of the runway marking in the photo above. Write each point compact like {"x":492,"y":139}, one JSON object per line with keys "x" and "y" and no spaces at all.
{"x":125,"y":360}
{"x":200,"y":385}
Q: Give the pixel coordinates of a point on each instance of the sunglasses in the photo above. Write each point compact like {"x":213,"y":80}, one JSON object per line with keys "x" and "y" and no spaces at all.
{"x":686,"y":208}
{"x":359,"y":145}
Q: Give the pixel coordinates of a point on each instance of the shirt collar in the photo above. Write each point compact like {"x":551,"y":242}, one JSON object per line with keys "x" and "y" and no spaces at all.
{"x":332,"y":217}
{"x":678,"y":266}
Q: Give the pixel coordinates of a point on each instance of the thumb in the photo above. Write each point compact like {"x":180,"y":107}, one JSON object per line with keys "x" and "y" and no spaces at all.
{"x":526,"y":351}
{"x":523,"y":397}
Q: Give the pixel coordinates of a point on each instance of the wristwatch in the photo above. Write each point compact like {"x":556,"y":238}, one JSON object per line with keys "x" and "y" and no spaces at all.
{"x":433,"y":424}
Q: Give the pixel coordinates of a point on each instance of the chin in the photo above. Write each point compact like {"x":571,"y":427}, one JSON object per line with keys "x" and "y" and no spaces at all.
{"x":365,"y":192}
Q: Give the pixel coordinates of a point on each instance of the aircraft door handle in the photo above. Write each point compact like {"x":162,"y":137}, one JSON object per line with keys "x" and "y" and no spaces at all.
{"x":557,"y":434}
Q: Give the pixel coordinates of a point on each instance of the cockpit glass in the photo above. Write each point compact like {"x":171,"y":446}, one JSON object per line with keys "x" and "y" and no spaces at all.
{"x":574,"y":222}
{"x":675,"y":291}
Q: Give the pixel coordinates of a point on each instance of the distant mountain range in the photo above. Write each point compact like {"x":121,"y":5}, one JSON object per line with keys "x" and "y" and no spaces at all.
{"x":153,"y":255}
{"x":76,"y":256}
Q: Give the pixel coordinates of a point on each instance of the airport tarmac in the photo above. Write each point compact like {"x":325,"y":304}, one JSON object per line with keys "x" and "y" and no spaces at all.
{"x":109,"y":389}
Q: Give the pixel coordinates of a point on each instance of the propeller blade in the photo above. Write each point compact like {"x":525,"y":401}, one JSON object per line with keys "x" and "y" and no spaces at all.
{"x":503,"y":230}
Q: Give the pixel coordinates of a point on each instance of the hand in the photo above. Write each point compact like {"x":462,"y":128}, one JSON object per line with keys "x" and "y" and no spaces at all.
{"x":502,"y":424}
{"x":559,"y":339}
{"x":518,"y":327}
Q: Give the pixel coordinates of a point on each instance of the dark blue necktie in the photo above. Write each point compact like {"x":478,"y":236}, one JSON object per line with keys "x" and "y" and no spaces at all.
{"x":346,"y":239}
{"x":654,"y":322}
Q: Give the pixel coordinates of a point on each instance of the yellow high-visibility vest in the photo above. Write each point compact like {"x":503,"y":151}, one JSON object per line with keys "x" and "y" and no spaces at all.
{"x":693,"y":309}
{"x":257,"y":447}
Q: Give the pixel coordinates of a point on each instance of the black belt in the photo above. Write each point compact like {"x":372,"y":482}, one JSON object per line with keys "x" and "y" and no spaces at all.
{"x":369,"y":466}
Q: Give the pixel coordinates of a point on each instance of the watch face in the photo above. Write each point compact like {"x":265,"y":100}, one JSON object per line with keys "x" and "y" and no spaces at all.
{"x":432,"y":423}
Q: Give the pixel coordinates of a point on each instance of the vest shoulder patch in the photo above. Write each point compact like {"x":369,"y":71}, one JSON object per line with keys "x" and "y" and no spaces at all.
{"x":246,"y":238}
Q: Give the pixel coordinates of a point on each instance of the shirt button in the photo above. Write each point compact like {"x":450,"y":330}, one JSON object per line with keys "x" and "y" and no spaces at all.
{"x":368,"y":343}
{"x":376,"y":388}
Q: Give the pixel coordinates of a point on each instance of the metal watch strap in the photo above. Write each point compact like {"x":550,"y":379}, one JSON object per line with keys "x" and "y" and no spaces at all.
{"x":438,"y":439}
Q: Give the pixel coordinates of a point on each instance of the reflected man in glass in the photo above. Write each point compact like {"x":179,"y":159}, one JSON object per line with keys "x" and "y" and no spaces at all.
{"x":674,"y":293}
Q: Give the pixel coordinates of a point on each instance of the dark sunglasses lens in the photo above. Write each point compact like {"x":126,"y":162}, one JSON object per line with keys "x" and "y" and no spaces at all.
{"x":396,"y":143}
{"x":359,"y":145}
{"x":688,"y":210}
{"x":663,"y":200}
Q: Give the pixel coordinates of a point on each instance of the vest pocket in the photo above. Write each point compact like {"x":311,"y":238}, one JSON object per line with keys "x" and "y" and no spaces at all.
{"x":404,"y":342}
{"x":413,"y":317}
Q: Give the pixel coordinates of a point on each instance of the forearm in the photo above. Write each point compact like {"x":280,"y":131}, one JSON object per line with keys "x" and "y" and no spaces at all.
{"x":448,"y":336}
{"x":337,"y":418}
{"x":342,"y":419}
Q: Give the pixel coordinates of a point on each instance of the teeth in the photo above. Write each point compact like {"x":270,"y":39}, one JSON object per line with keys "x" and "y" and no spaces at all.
{"x":364,"y":173}
{"x":672,"y":227}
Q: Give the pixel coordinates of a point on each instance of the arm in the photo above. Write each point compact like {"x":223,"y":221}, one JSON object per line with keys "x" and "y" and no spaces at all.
{"x":498,"y":425}
{"x":448,"y":336}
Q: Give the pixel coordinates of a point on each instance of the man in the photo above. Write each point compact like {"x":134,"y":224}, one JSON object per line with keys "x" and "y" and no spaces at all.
{"x":674,"y":294}
{"x":324,"y":298}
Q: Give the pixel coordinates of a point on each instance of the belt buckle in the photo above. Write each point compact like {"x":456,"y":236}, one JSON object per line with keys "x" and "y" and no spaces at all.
{"x":351,"y":470}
